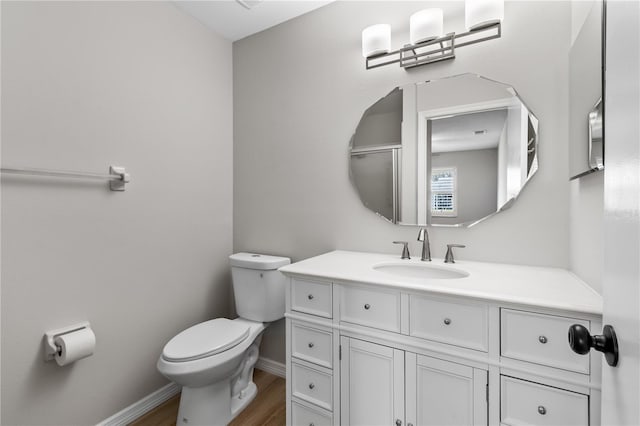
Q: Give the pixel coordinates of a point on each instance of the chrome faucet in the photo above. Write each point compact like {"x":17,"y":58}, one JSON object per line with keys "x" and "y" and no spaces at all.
{"x":423,"y":236}
{"x":405,"y":249}
{"x":449,"y":256}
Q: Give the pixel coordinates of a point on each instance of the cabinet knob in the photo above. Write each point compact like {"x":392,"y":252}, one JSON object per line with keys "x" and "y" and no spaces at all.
{"x":542,"y":339}
{"x":310,"y":297}
{"x":311,"y":386}
{"x":367,"y":306}
{"x":311,"y":424}
{"x":542,"y":410}
{"x":398,"y":422}
{"x":311,"y":344}
{"x":447,"y":321}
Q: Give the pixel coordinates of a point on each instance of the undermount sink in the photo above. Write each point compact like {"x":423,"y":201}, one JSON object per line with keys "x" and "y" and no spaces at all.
{"x":414,"y":270}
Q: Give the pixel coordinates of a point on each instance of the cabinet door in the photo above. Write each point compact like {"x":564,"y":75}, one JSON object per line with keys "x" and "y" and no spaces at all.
{"x":372,"y":384}
{"x":444,"y":393}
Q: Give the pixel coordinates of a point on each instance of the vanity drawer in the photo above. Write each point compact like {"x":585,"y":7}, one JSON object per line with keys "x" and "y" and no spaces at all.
{"x":455,"y":323}
{"x":371,"y":308}
{"x":304,"y":416}
{"x":311,"y":297}
{"x":311,"y":385}
{"x":312,"y":344}
{"x":527,"y":403}
{"x":541,"y":339}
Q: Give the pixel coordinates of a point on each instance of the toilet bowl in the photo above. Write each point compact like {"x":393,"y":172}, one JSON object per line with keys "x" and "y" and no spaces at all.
{"x":213,"y":361}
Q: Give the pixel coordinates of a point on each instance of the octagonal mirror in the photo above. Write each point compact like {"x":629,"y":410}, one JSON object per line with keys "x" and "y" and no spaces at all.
{"x":448,"y":152}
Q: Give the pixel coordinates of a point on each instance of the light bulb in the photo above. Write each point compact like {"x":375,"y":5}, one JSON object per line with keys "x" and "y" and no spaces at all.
{"x":482,"y":13}
{"x":376,"y":40}
{"x":425,"y":25}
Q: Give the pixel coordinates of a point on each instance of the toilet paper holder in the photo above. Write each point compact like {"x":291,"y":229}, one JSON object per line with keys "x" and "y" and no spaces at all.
{"x":50,"y":348}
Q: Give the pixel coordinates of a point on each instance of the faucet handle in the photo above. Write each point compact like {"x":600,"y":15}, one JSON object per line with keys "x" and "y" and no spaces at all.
{"x":405,"y":249}
{"x":448,"y":258}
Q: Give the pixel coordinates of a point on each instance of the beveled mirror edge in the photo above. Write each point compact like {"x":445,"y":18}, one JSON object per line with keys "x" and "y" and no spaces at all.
{"x":507,"y":204}
{"x":532,"y":119}
{"x":350,"y":153}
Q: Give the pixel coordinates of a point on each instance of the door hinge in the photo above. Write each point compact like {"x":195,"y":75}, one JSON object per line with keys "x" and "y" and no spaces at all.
{"x":340,"y":352}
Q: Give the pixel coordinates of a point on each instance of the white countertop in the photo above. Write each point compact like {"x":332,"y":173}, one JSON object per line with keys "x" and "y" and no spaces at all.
{"x":553,"y":288}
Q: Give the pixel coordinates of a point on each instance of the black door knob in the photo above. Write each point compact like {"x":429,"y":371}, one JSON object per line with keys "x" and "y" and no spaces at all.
{"x":581,"y":341}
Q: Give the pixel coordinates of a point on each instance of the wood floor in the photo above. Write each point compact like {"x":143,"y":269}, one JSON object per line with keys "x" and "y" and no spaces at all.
{"x":268,"y":409}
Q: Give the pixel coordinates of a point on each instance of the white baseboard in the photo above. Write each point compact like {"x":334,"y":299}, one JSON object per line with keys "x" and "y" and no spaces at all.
{"x":272,"y":367}
{"x":149,"y":402}
{"x":138,"y":409}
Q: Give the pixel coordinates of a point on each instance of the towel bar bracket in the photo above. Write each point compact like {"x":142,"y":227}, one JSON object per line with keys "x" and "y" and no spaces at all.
{"x":118,"y":185}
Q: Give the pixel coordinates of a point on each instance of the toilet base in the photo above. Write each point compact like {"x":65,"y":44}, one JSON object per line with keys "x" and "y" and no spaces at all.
{"x":220,"y":402}
{"x":208,"y":405}
{"x":244,"y":398}
{"x":211,"y":405}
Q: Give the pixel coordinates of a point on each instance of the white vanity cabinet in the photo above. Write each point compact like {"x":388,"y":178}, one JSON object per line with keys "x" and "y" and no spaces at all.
{"x":365,"y":351}
{"x":372,"y":383}
{"x":381,"y":385}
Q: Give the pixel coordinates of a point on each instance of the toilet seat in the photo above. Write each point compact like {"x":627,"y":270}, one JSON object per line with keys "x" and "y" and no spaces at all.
{"x":205,"y":339}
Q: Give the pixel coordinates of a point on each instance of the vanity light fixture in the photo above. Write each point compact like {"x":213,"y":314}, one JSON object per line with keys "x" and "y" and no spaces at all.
{"x":483,"y":19}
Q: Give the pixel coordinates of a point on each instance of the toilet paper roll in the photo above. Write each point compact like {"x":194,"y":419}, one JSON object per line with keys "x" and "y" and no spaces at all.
{"x":75,"y":345}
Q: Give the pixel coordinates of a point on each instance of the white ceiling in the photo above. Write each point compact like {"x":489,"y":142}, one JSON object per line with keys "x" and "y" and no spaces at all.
{"x":457,"y":133}
{"x":233,"y":21}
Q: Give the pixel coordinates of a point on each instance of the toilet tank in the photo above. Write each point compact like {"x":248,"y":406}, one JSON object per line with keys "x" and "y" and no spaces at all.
{"x":258,"y":286}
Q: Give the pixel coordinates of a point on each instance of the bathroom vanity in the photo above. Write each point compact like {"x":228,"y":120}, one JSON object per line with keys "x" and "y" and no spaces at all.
{"x":373,"y":339}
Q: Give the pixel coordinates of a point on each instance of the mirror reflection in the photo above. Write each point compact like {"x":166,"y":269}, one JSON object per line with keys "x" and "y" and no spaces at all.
{"x":585,"y":92}
{"x":448,"y":152}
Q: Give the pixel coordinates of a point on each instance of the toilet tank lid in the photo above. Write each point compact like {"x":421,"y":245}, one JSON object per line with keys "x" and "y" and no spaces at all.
{"x":258,"y":261}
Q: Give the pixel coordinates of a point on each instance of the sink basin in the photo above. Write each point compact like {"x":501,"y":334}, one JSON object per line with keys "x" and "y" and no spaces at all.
{"x":414,"y":270}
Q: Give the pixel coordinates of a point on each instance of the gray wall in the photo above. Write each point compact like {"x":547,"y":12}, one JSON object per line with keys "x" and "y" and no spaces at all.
{"x":586,"y":199}
{"x":299,"y":91}
{"x":477,"y":185}
{"x":85,"y":85}
{"x":586,"y":202}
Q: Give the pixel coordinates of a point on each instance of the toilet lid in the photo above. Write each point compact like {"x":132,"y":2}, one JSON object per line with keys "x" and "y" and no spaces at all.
{"x":205,"y":339}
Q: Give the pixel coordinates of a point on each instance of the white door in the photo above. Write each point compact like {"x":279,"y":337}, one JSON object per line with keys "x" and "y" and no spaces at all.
{"x":621,"y":286}
{"x":372,"y":384}
{"x":443,"y":393}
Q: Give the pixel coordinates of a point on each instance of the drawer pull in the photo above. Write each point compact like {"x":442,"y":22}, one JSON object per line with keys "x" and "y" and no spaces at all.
{"x":311,"y":386}
{"x":310,"y":297}
{"x":542,"y":339}
{"x":367,"y":306}
{"x":311,"y":424}
{"x":542,"y":410}
{"x":447,"y":321}
{"x":311,"y":344}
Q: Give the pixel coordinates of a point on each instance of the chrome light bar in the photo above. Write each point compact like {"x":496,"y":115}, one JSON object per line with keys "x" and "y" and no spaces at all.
{"x":436,"y":50}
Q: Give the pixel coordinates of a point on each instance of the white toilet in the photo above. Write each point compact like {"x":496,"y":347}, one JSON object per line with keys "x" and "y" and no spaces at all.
{"x":213,"y":361}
